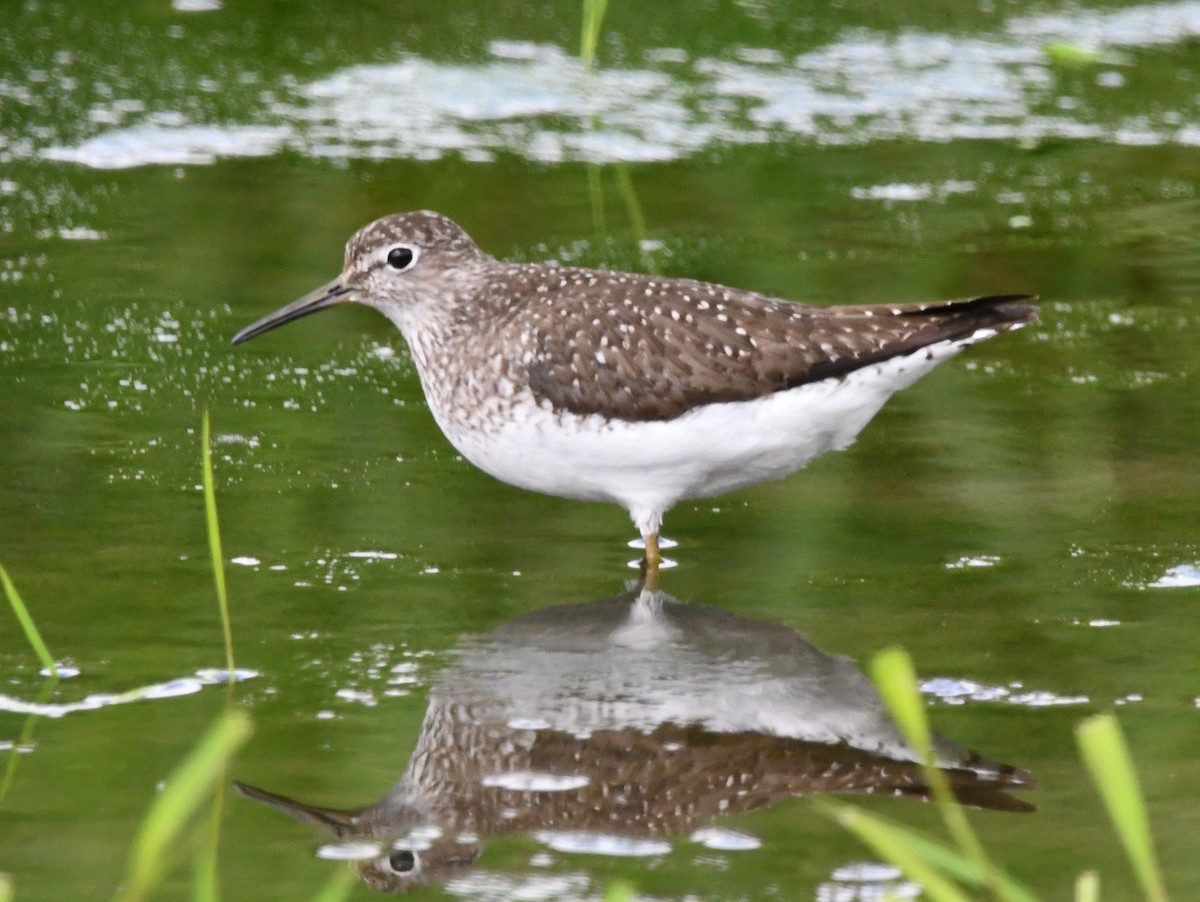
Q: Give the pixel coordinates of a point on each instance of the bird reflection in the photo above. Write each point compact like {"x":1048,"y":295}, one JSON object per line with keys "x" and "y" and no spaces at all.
{"x":625,"y":724}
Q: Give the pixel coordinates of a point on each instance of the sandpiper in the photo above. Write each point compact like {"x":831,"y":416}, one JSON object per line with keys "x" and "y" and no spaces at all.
{"x":628,"y":388}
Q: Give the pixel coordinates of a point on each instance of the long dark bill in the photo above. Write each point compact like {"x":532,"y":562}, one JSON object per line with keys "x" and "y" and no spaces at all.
{"x":325,"y":296}
{"x":341,"y":822}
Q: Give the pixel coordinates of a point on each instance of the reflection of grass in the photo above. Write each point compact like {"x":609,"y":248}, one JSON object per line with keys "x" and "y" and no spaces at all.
{"x":593,"y":21}
{"x":945,"y":871}
{"x":34,"y":638}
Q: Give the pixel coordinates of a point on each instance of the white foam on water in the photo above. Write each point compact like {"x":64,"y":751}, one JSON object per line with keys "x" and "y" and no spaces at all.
{"x":955,"y":691}
{"x":540,"y":102}
{"x":1183,"y":576}
{"x":173,"y":688}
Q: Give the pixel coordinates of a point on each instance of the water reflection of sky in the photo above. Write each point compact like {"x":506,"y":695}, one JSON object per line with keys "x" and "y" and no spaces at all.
{"x":539,"y":102}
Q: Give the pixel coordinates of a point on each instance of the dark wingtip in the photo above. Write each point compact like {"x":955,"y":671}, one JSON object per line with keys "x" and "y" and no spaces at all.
{"x":1013,"y":309}
{"x":1003,"y":312}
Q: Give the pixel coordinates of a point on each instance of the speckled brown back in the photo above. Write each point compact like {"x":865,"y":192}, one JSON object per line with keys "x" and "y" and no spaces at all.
{"x":637,"y":348}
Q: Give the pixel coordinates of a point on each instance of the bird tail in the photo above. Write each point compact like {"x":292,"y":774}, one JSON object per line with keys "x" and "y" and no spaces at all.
{"x":960,"y":319}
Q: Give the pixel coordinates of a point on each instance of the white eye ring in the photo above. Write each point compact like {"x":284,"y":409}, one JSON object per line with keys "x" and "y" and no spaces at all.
{"x":403,"y":257}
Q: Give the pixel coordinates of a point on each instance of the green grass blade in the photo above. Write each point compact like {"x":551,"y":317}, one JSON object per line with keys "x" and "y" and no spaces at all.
{"x":620,"y":891}
{"x":204,"y":880}
{"x":214,"y":545}
{"x":32,"y":636}
{"x":186,"y":789}
{"x":596,"y":197}
{"x":593,"y":22}
{"x":206,"y":883}
{"x":6,"y":889}
{"x":1087,"y":887}
{"x":896,"y":679}
{"x":1080,"y":56}
{"x":633,"y":210}
{"x":948,"y":860}
{"x":1104,"y":752}
{"x":337,"y":888}
{"x":895,"y":844}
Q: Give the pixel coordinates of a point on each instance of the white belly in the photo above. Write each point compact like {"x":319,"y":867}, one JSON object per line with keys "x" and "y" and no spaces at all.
{"x":648,"y":467}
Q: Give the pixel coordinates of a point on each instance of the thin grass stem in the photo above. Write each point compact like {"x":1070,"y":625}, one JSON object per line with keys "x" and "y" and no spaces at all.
{"x":896,"y":680}
{"x":185,"y":790}
{"x":214,"y":546}
{"x":32,"y":636}
{"x":1087,"y":887}
{"x":893,"y":844}
{"x":207,"y":884}
{"x":22,"y":742}
{"x":596,"y":199}
{"x":593,"y":22}
{"x":633,"y":209}
{"x":337,"y":888}
{"x":944,"y":859}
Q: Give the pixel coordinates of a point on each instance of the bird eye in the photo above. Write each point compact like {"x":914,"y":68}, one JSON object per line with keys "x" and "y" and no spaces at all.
{"x":401,"y":257}
{"x":402,"y":861}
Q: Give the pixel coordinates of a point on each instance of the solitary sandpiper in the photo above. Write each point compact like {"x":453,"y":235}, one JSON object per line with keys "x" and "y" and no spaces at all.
{"x":635,"y":389}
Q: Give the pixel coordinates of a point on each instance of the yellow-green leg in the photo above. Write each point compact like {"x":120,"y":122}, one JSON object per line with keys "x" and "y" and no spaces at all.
{"x":653,"y":559}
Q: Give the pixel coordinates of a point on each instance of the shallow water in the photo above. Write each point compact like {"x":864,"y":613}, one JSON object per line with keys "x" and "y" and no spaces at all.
{"x":1023,"y":520}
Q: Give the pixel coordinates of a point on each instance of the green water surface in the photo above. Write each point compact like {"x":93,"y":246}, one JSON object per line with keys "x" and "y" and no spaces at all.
{"x":1024,"y":520}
